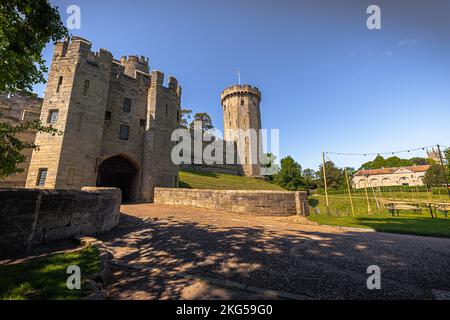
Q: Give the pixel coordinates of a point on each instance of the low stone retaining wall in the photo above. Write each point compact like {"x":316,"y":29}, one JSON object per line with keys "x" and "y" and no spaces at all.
{"x":30,"y":216}
{"x":280,"y":203}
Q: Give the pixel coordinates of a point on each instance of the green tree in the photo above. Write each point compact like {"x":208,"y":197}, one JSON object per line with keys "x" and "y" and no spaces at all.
{"x":185,"y":117}
{"x":290,"y":175}
{"x":310,"y":178}
{"x":380,"y":162}
{"x":26,"y":26}
{"x":447,"y":160}
{"x":393,"y":162}
{"x":419,"y":161}
{"x":335,"y":176}
{"x":205,"y":119}
{"x":271,"y":166}
{"x":11,"y":147}
{"x":435,"y":176}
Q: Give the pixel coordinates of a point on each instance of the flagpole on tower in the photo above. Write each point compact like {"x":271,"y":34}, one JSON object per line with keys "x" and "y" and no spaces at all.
{"x":239,"y":76}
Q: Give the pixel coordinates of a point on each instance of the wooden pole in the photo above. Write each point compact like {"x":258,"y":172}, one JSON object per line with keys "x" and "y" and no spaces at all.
{"x":429,"y":195}
{"x":443,"y":170}
{"x":325,"y":182}
{"x":374,"y":195}
{"x":349,"y":192}
{"x":369,"y":210}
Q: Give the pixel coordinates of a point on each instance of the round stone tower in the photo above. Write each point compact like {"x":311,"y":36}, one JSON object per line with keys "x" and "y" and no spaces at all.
{"x":242,"y":124}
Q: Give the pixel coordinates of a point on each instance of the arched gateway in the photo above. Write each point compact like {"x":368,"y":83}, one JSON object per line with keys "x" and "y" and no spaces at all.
{"x":121,"y":173}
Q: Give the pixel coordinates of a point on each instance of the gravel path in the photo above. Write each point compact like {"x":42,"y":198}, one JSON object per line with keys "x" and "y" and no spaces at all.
{"x":270,"y":253}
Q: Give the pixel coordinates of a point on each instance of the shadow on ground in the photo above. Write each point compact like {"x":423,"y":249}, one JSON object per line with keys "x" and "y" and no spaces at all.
{"x":321,"y":265}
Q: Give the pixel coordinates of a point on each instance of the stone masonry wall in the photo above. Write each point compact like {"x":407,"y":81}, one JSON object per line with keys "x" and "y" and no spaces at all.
{"x":16,"y":109}
{"x":30,"y":216}
{"x":280,"y":203}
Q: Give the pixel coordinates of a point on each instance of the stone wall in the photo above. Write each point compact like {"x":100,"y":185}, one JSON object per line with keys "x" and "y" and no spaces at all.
{"x":15,"y":109}
{"x":29,"y":216}
{"x":280,"y":203}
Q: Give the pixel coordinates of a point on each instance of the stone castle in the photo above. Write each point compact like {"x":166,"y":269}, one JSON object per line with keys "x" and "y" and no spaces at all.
{"x":116,"y":120}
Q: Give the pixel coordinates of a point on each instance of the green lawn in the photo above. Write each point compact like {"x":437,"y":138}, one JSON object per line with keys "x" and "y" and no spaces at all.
{"x":45,"y":278}
{"x":379,"y":220}
{"x":220,"y":181}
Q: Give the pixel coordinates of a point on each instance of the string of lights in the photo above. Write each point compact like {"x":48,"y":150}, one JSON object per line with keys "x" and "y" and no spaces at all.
{"x":384,"y":153}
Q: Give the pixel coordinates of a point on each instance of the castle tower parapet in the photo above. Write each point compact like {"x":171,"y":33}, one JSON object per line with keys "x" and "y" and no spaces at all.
{"x":135,"y":64}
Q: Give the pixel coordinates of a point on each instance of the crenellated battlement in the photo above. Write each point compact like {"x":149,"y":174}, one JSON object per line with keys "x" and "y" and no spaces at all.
{"x":134,"y":64}
{"x":157,"y":79}
{"x":240,"y":90}
{"x":78,"y":47}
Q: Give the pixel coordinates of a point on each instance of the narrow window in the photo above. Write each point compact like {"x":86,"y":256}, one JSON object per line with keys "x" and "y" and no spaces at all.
{"x":58,"y":88}
{"x":86,"y":87}
{"x":52,"y":116}
{"x":142,"y":122}
{"x":124,"y":132}
{"x":42,"y":176}
{"x":242,"y":102}
{"x":167,"y":110}
{"x":126,"y":107}
{"x":70,"y":176}
{"x":107,"y":115}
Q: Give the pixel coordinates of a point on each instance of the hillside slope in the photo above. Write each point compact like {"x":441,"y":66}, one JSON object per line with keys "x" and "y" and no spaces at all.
{"x":220,"y":181}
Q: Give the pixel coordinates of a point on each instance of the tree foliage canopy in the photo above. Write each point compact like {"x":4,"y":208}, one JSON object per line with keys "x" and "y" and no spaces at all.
{"x":435,"y":176}
{"x":26,"y":26}
{"x":185,"y":117}
{"x":335,"y":176}
{"x":205,"y":119}
{"x":392,"y":162}
{"x":290,"y":175}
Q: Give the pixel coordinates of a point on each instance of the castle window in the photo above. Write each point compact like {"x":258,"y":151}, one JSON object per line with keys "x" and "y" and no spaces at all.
{"x":126,"y":107}
{"x":124,"y":132}
{"x":52,"y":116}
{"x":58,"y":88}
{"x":167,"y":110}
{"x":86,"y":87}
{"x":42,"y":176}
{"x":142,"y":122}
{"x":70,"y":176}
{"x":242,"y":102}
{"x":107,"y":115}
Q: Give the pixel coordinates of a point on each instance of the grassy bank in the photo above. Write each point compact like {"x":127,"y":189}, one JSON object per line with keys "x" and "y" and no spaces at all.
{"x":220,"y":181}
{"x":380,"y":219}
{"x":45,"y":278}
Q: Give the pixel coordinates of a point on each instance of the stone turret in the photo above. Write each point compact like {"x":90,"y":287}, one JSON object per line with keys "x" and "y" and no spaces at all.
{"x":241,"y":111}
{"x":163,"y":115}
{"x":75,"y":103}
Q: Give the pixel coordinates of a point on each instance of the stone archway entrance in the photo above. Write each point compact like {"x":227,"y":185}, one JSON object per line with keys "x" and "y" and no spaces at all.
{"x":118,"y":172}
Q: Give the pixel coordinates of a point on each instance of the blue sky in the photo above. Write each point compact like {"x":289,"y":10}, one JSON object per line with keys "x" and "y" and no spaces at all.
{"x":328,"y":83}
